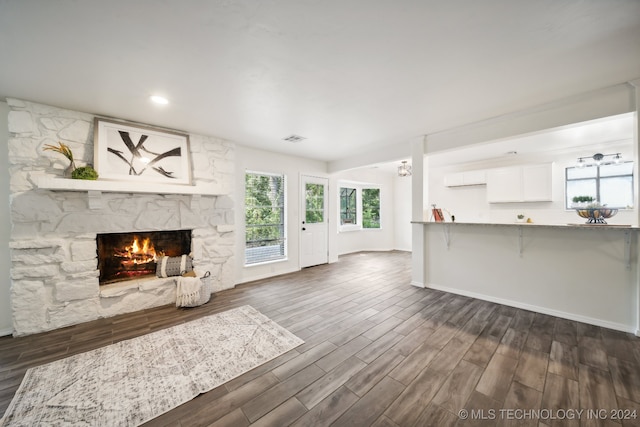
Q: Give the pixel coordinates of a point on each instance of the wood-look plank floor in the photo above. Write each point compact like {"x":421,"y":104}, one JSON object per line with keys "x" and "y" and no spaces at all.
{"x":379,"y":352}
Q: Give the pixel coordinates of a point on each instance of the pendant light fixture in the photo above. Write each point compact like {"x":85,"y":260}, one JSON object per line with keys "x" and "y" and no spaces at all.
{"x":404,"y":169}
{"x":599,"y":159}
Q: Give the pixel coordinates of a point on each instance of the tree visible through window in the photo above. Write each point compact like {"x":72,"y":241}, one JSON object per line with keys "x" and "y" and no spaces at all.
{"x":264,"y":217}
{"x":348,"y":203}
{"x":610,"y":184}
{"x":314,"y":200}
{"x":371,"y":208}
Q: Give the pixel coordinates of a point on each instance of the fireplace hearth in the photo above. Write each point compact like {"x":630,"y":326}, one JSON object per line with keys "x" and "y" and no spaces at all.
{"x":127,"y":256}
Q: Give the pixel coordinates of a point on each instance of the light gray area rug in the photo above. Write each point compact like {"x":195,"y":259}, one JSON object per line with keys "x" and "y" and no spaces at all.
{"x":134,"y":381}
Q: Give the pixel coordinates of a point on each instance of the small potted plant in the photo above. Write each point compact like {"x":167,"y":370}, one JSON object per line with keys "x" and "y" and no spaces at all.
{"x":520,"y":217}
{"x":65,"y":151}
{"x":581,"y":201}
{"x":83,"y":172}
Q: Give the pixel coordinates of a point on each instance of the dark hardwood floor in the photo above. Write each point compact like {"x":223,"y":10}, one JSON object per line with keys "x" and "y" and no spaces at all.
{"x":380,"y":352}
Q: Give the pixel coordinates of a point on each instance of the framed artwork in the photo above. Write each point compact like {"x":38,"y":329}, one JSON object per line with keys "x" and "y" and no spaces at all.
{"x":130,"y":152}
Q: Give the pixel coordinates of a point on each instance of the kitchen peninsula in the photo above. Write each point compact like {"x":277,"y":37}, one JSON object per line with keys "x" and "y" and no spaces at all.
{"x":587,"y":273}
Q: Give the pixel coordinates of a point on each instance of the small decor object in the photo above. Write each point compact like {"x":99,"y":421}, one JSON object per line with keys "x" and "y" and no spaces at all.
{"x":193,"y":291}
{"x":174,"y":266}
{"x":595,"y":213}
{"x":130,"y":152}
{"x":65,"y":151}
{"x":85,"y":172}
{"x":437,"y":215}
{"x":520,"y":218}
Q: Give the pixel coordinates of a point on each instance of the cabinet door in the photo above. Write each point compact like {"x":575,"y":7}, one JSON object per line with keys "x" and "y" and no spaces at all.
{"x":537,"y":183}
{"x":454,"y":179}
{"x":504,"y":185}
{"x":477,"y":177}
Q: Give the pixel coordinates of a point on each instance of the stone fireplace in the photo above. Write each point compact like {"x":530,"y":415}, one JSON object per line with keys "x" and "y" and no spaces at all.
{"x":128,"y":256}
{"x":57,"y":223}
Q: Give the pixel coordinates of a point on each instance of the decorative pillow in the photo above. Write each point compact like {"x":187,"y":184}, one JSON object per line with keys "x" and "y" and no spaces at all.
{"x":174,"y":266}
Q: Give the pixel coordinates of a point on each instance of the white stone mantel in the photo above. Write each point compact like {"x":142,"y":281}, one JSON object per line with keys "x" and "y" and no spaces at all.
{"x":95,"y":188}
{"x":107,"y":186}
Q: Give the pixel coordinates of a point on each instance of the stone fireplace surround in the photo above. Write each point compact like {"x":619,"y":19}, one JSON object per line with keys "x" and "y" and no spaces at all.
{"x":54,"y":276}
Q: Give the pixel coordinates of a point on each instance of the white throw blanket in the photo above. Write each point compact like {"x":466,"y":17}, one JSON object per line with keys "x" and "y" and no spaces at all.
{"x":188,"y":291}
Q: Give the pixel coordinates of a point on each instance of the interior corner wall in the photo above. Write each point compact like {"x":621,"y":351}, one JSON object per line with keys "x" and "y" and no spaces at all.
{"x":251,"y":159}
{"x":368,"y":240}
{"x":5,"y":224}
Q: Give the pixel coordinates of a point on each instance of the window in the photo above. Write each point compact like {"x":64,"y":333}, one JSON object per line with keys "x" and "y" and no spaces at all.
{"x":371,"y":208}
{"x":264,"y":217}
{"x":359,"y":207}
{"x":610,"y":184}
{"x":314,"y":212}
{"x":348,"y":203}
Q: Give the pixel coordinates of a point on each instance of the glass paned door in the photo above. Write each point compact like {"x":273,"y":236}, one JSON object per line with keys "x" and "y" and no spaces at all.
{"x":314,"y":227}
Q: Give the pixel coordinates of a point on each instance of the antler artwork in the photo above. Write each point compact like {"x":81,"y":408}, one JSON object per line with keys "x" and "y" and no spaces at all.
{"x":136,"y":153}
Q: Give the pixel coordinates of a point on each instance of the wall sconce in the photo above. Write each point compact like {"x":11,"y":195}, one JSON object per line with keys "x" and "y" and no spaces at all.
{"x":599,"y":159}
{"x":404,"y":169}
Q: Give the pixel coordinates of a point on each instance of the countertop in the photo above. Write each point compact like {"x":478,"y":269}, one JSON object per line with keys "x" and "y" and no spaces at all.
{"x":525,"y":224}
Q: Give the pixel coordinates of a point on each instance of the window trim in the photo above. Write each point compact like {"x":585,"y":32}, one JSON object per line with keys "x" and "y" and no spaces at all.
{"x":379,"y":207}
{"x":359,"y":186}
{"x":284,"y":257}
{"x":358,"y":212}
{"x":597,"y":180}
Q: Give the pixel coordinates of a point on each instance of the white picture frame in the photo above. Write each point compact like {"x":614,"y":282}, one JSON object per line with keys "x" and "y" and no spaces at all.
{"x":130,"y":152}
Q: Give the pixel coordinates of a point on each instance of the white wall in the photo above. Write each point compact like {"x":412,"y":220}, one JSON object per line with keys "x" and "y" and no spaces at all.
{"x":402,"y":213}
{"x":250,"y":159}
{"x":469,"y":203}
{"x":579,"y":273}
{"x":381,"y":239}
{"x":5,"y":224}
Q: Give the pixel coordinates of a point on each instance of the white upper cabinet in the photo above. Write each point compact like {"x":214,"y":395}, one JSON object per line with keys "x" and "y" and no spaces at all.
{"x":529,"y":183}
{"x":537,"y":183}
{"x":504,"y":185}
{"x":477,"y":177}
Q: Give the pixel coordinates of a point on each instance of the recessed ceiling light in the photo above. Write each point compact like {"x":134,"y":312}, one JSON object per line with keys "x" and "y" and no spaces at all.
{"x":294,"y":138}
{"x":159,"y":100}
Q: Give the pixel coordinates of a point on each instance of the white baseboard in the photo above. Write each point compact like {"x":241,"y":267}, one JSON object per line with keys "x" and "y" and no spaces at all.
{"x":417,"y":284}
{"x":253,"y":278}
{"x":5,"y":332}
{"x":544,"y":310}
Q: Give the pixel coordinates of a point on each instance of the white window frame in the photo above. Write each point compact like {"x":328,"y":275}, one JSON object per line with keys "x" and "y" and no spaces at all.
{"x":597,"y":179}
{"x":285,"y":219}
{"x":359,"y":186}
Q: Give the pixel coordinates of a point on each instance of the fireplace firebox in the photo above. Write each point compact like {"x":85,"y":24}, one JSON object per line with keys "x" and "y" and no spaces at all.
{"x":126,"y":256}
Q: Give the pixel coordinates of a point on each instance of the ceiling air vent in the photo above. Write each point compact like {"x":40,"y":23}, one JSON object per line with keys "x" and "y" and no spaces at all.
{"x":294,"y":138}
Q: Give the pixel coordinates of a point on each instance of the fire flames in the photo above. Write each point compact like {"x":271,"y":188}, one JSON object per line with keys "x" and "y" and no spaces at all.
{"x":138,"y":254}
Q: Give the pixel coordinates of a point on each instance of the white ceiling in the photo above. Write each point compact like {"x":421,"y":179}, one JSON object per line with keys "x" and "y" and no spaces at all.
{"x":349,"y":75}
{"x":585,"y":138}
{"x":606,"y":135}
